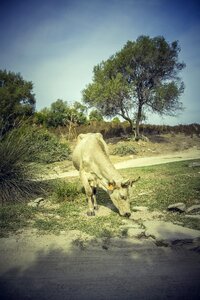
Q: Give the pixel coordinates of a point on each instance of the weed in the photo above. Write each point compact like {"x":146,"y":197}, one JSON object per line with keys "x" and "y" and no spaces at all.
{"x":65,"y":191}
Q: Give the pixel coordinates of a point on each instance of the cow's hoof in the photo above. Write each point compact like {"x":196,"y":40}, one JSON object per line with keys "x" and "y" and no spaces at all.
{"x":91,"y":213}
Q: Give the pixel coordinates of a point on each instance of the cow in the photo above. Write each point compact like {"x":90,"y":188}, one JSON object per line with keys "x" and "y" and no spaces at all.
{"x":91,"y":159}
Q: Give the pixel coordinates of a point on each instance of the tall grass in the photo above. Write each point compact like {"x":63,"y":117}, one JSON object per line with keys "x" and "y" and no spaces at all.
{"x":16,"y":175}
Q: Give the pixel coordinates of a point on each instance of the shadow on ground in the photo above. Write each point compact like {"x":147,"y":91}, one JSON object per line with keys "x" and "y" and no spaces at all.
{"x":123,"y":271}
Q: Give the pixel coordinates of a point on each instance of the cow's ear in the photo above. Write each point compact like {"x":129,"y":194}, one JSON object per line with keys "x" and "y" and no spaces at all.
{"x":111,"y":185}
{"x":125,"y":183}
{"x":132,"y":181}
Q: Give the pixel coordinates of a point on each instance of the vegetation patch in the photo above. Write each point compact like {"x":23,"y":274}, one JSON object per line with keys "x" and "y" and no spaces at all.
{"x":65,"y":191}
{"x":45,"y":147}
{"x":158,"y":187}
{"x":124,"y":148}
{"x":16,"y":175}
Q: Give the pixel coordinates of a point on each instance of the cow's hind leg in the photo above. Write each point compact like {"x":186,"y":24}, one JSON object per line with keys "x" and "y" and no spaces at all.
{"x":89,"y":193}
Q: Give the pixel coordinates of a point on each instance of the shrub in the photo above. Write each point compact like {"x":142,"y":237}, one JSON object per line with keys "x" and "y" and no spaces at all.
{"x":16,"y":176}
{"x":45,"y":147}
{"x":65,"y":191}
{"x":123,"y":149}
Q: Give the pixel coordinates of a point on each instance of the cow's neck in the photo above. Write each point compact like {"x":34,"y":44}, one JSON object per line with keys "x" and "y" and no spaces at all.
{"x":105,"y":169}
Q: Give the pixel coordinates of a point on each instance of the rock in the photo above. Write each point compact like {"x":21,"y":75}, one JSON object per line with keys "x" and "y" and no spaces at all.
{"x":139,"y":208}
{"x":62,"y":232}
{"x":130,"y":225}
{"x":194,"y":164}
{"x":181,"y":207}
{"x":193,"y":216}
{"x":169,"y":232}
{"x":33,"y":204}
{"x":36,"y":202}
{"x":135,"y":232}
{"x":193,"y":208}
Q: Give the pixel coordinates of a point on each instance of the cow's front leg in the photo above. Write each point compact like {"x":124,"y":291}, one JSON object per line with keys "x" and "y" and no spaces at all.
{"x":89,"y":193}
{"x":94,"y":198}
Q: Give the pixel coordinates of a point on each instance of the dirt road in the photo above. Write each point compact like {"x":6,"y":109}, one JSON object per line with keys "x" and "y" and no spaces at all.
{"x":189,"y":154}
{"x":52,"y":267}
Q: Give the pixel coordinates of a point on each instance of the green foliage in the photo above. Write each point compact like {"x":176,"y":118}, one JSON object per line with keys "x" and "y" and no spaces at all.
{"x":61,"y":114}
{"x":45,"y":147}
{"x":16,"y":176}
{"x":65,"y":191}
{"x":143,"y":75}
{"x":116,"y":120}
{"x":95,"y":115}
{"x":124,"y":148}
{"x":17,"y":100}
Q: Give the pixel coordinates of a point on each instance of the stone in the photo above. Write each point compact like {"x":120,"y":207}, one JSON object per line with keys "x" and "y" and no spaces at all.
{"x":192,"y":216}
{"x":194,"y":164}
{"x":33,"y":204}
{"x":193,"y":208}
{"x":135,"y":232}
{"x":62,"y":232}
{"x":170,"y":233}
{"x":36,"y":202}
{"x":139,"y":208}
{"x":180,"y":207}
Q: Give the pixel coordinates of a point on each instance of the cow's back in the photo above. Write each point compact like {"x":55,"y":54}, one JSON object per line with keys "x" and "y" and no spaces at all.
{"x":88,"y":147}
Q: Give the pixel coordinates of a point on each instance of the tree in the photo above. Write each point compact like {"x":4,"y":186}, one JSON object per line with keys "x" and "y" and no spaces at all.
{"x":95,"y":115}
{"x":142,"y":76}
{"x":61,"y":113}
{"x":17,"y":100}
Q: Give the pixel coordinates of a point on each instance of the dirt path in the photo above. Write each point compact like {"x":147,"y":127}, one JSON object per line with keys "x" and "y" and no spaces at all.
{"x":52,"y":267}
{"x":189,"y":154}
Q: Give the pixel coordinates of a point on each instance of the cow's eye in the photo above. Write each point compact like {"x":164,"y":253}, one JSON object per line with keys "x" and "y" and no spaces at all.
{"x":123,"y":197}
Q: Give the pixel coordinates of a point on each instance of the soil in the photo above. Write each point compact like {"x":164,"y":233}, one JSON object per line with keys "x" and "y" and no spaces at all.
{"x":65,"y":267}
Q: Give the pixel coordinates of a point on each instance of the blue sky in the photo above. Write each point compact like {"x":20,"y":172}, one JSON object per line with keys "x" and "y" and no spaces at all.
{"x":56,"y":43}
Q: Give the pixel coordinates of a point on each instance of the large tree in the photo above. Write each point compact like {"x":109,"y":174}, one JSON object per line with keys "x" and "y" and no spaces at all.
{"x":17,"y":100}
{"x":142,"y":76}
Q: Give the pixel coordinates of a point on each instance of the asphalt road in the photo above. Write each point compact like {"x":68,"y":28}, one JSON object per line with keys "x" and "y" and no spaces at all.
{"x":52,"y":267}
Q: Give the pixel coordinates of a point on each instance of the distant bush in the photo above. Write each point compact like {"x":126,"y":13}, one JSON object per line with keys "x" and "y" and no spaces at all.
{"x":65,"y":191}
{"x":45,"y":147}
{"x":123,"y":149}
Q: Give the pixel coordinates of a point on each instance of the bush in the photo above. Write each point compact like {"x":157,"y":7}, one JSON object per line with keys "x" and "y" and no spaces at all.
{"x":16,"y":176}
{"x":65,"y":191}
{"x":123,"y":149}
{"x":45,"y":147}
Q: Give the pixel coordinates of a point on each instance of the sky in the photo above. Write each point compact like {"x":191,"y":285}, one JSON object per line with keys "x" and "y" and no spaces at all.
{"x":56,"y":43}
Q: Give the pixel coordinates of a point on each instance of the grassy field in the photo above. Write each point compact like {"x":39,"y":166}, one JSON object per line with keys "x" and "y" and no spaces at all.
{"x":65,"y":208}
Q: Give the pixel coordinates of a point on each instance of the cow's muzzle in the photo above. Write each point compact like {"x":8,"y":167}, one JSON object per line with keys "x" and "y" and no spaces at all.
{"x":127,"y":214}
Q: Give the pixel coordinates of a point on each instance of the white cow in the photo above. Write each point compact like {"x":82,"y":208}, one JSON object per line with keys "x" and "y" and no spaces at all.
{"x":91,"y":158}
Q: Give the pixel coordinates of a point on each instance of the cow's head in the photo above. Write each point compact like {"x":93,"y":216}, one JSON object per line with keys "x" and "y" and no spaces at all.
{"x":119,"y":194}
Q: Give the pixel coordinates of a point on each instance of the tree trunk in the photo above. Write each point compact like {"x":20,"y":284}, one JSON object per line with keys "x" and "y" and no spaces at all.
{"x":132,"y":126}
{"x":131,"y":122}
{"x":137,"y":125}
